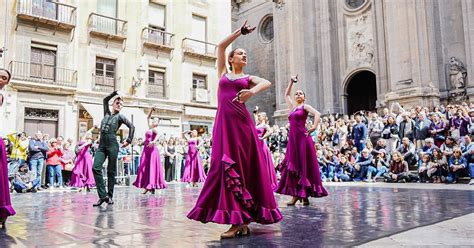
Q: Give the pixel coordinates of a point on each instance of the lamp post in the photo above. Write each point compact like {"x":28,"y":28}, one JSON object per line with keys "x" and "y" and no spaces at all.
{"x":137,"y":82}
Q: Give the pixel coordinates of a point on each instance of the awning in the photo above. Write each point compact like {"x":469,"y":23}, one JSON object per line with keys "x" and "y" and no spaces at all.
{"x":96,"y":111}
{"x":139,"y":120}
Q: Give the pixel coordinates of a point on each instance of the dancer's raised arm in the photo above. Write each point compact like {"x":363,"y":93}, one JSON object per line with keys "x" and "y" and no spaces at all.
{"x":221,"y":58}
{"x":289,"y":101}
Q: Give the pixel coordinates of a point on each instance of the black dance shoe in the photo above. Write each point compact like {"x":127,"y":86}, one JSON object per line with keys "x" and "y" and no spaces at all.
{"x":110,"y":201}
{"x":100,"y":201}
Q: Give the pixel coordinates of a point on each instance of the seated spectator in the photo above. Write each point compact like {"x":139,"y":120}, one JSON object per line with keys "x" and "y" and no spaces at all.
{"x":364,"y":167}
{"x":398,"y":171}
{"x":457,"y":166}
{"x":427,"y":148}
{"x":407,"y":149}
{"x":439,"y":167}
{"x":343,"y":171}
{"x":448,"y":146}
{"x":425,"y":166}
{"x":329,"y":164}
{"x":382,"y":163}
{"x":378,"y":146}
{"x":25,"y":180}
{"x":54,"y":163}
{"x":467,"y":147}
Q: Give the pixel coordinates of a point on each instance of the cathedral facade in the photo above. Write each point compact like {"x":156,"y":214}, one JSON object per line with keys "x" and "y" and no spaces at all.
{"x":355,"y":55}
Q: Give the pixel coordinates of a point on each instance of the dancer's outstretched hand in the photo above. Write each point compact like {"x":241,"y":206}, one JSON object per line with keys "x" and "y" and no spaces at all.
{"x":294,"y":79}
{"x":246,"y":29}
{"x":243,"y":96}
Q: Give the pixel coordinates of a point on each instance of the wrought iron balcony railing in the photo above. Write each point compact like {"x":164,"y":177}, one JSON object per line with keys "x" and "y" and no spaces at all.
{"x":43,"y":74}
{"x":104,"y":84}
{"x":199,"y":48}
{"x":158,"y":38}
{"x":47,"y":12}
{"x":107,"y":26}
{"x":200,"y":95}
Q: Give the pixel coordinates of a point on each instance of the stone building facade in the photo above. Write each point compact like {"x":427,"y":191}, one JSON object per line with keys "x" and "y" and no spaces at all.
{"x":366,"y":54}
{"x":66,"y":56}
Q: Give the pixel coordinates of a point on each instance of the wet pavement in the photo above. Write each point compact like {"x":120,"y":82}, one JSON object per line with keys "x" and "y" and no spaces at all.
{"x":350,"y":215}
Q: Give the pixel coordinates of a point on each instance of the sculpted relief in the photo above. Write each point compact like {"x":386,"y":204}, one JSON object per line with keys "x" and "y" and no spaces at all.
{"x":360,"y":43}
{"x":457,"y":73}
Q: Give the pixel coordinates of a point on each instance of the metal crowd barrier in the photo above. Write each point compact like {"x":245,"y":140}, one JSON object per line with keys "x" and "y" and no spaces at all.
{"x":126,"y":169}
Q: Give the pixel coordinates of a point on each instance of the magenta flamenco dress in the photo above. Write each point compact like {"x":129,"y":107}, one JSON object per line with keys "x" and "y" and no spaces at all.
{"x":237,"y":189}
{"x":6,"y":208}
{"x":150,"y":173}
{"x":193,"y":169}
{"x":82,"y":175}
{"x":268,"y":156}
{"x":300,"y":176}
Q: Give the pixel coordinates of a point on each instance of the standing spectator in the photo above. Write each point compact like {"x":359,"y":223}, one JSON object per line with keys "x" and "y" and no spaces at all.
{"x":341,"y":133}
{"x":19,"y":146}
{"x":54,"y":163}
{"x":67,"y":162}
{"x":37,"y":150}
{"x":406,"y":127}
{"x":375,"y":128}
{"x":170,"y":159}
{"x":359,"y":133}
{"x":390,"y":134}
{"x":459,"y":123}
{"x":437,"y":130}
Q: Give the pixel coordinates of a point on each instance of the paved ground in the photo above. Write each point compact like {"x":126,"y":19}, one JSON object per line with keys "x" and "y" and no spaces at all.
{"x":374,"y":215}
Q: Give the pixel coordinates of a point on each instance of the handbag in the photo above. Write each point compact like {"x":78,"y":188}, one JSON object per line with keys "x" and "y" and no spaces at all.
{"x":69,"y":167}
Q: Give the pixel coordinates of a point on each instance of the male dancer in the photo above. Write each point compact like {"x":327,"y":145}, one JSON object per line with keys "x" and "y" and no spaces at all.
{"x":109,"y":147}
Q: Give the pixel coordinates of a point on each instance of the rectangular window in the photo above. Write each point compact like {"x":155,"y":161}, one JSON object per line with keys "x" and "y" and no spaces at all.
{"x":156,"y":83}
{"x":156,"y":20}
{"x":105,"y":72}
{"x":43,"y":63}
{"x":107,"y":8}
{"x":199,"y":32}
{"x":199,"y":81}
{"x":44,"y":8}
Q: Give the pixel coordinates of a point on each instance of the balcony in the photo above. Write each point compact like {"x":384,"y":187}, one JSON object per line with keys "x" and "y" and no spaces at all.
{"x":199,"y":49}
{"x":200,"y":95}
{"x":47,"y":13}
{"x":106,"y":27}
{"x":41,"y":75}
{"x":157,"y":39}
{"x":104,"y":84}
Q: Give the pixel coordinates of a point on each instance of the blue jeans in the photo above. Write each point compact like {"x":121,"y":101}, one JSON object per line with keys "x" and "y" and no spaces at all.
{"x":19,"y":186}
{"x":343,"y":177}
{"x":360,"y":146}
{"x":382,"y":171}
{"x":37,"y":167}
{"x":55,"y":170}
{"x":371,"y":170}
{"x":471,"y":170}
{"x":330,"y":172}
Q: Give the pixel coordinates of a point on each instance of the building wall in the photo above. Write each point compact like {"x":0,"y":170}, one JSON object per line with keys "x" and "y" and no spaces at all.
{"x":406,"y":44}
{"x":261,"y":52}
{"x":77,"y":50}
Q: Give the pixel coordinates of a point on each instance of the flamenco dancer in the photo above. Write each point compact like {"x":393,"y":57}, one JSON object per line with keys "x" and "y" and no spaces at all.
{"x":237,"y":190}
{"x":264,"y":131}
{"x":193,"y":169}
{"x":150,"y":173}
{"x":82,"y":176}
{"x":109,"y":147}
{"x":6,"y":208}
{"x":300,"y":176}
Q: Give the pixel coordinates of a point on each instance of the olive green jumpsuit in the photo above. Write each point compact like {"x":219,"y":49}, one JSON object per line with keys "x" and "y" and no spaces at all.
{"x":109,"y":148}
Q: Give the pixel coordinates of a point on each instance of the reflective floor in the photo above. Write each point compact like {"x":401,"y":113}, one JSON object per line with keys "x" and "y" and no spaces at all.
{"x":350,"y":215}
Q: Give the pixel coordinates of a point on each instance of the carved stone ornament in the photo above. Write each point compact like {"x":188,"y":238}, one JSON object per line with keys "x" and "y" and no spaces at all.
{"x":360,"y":41}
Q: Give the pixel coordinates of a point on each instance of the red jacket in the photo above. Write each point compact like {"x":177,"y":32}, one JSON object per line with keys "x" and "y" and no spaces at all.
{"x":54,"y":156}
